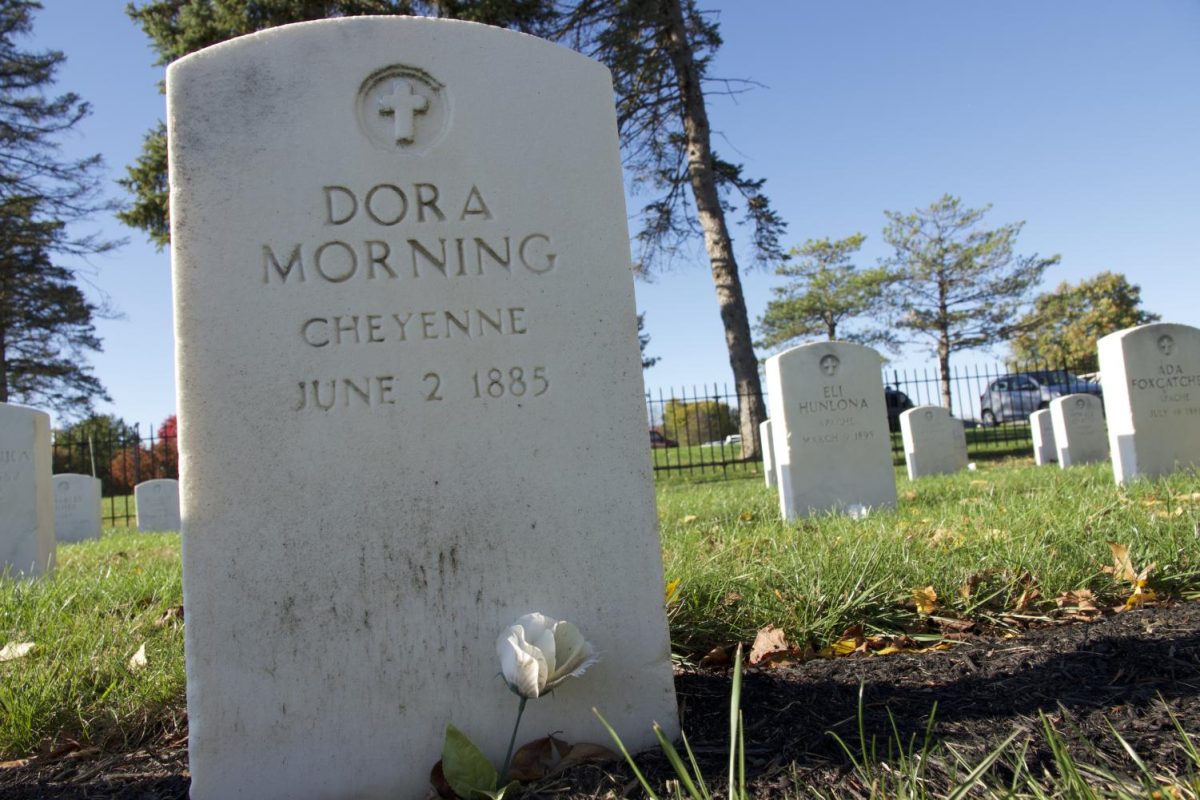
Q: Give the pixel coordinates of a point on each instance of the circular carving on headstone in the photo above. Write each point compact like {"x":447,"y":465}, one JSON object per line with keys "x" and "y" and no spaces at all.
{"x":64,"y":486}
{"x":403,"y":109}
{"x":1166,"y":344}
{"x":929,"y":414}
{"x":1080,"y":402}
{"x":829,"y":364}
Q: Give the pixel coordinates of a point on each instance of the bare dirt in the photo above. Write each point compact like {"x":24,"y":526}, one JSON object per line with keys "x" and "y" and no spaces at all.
{"x":1130,"y":671}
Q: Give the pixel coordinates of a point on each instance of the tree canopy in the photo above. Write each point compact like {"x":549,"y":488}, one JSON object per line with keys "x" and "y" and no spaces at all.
{"x":827,"y":293}
{"x":959,"y":285}
{"x":1064,"y":325}
{"x":46,"y":323}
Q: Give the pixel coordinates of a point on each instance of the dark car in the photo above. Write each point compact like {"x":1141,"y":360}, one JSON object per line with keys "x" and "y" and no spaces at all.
{"x":1014,"y":397}
{"x":897,"y":403}
{"x":657,"y":440}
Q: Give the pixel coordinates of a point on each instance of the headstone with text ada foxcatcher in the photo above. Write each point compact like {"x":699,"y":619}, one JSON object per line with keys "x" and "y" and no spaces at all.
{"x":410,"y":402}
{"x":1152,"y":399}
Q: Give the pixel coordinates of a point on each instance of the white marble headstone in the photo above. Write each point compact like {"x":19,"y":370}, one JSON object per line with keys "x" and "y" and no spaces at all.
{"x":1151,"y":380}
{"x":1080,"y":436}
{"x":935,"y":443}
{"x":76,"y":507}
{"x":768,"y":451}
{"x":1042,"y":427}
{"x":26,"y":494}
{"x":829,"y":421}
{"x":402,"y":283}
{"x":157,"y":504}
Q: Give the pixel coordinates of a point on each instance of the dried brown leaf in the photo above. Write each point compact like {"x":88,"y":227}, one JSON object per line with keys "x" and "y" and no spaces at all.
{"x":768,"y":641}
{"x":15,"y":650}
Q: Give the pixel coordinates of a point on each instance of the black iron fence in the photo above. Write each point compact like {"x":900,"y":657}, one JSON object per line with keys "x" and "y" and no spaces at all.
{"x":121,"y":457}
{"x":695,"y":431}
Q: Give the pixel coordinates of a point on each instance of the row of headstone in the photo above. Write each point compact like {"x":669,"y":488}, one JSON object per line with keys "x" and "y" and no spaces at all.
{"x":827,"y":447}
{"x":39,"y":510}
{"x":401,"y":267}
{"x":1149,"y":420}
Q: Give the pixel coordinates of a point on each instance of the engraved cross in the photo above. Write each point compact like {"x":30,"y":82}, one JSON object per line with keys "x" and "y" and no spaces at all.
{"x":403,"y":105}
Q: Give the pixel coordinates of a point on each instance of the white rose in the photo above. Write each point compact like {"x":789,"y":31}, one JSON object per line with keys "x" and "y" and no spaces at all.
{"x":537,"y":653}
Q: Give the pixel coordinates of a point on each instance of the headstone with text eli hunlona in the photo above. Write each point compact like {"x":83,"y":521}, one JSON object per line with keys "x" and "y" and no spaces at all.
{"x":829,"y":423}
{"x":26,"y":493}
{"x":1151,"y":379}
{"x":410,"y":402}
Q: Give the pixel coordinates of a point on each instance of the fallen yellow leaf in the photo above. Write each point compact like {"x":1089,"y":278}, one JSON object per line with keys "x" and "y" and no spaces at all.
{"x":926,"y":599}
{"x":138,"y":659}
{"x":671,"y":590}
{"x":15,"y":650}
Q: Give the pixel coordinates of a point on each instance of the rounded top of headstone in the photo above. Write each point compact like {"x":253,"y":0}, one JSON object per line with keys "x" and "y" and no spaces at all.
{"x":828,"y":355}
{"x":14,"y":412}
{"x":355,"y":32}
{"x":1166,"y":335}
{"x":924,"y":412}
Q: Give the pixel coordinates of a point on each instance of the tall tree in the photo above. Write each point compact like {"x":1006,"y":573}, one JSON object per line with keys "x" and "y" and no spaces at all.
{"x":643,"y":341}
{"x":659,"y":52}
{"x":179,"y":27}
{"x":826,"y":294}
{"x":959,"y":285}
{"x":45,"y":318}
{"x":1064,"y":325}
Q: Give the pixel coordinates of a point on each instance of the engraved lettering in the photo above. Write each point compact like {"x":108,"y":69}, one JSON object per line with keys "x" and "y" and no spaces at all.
{"x":402,"y":323}
{"x":317,"y":339}
{"x":427,"y":200}
{"x":481,"y":245}
{"x":374,"y":257}
{"x":351,"y":265}
{"x":294,"y":260}
{"x":427,"y":322}
{"x":516,"y":320}
{"x":397,"y":208}
{"x":374,"y":324}
{"x":547,"y":261}
{"x":416,"y":247}
{"x":474,"y":206}
{"x":331,"y":215}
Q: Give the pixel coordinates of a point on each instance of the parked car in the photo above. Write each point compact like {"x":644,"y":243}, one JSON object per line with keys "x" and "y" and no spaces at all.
{"x":1014,"y":397}
{"x":657,"y":440}
{"x":897,"y":403}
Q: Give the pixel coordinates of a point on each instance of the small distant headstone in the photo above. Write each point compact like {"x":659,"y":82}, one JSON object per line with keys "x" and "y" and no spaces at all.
{"x":26,"y":494}
{"x":1079,"y":433}
{"x":1151,"y":380}
{"x":830,"y":430}
{"x":935,"y":443}
{"x":768,"y":450}
{"x":1042,"y":426}
{"x":76,"y":507}
{"x":401,"y":272}
{"x":157,"y":504}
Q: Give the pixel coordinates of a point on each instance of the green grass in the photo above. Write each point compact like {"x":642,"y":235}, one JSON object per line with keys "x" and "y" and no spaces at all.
{"x":1004,"y":530}
{"x":86,"y":621}
{"x":118,"y":512}
{"x":1000,"y":529}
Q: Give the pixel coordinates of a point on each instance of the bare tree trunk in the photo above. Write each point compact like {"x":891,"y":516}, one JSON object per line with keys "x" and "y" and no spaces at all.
{"x":3,"y":369}
{"x":943,"y":352}
{"x":717,"y":241}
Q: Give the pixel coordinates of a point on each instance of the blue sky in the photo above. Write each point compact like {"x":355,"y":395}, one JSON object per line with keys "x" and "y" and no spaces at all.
{"x":1080,"y":117}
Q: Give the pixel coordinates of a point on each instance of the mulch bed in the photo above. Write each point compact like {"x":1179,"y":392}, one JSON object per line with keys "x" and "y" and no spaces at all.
{"x":1126,"y":670}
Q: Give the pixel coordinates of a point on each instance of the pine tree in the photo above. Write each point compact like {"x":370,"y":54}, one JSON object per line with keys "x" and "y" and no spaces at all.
{"x":959,"y":285}
{"x":659,"y":52}
{"x":45,"y":318}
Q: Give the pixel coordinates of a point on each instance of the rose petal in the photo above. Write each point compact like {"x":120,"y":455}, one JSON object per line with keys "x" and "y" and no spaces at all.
{"x":571,"y":647}
{"x":521,"y":669}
